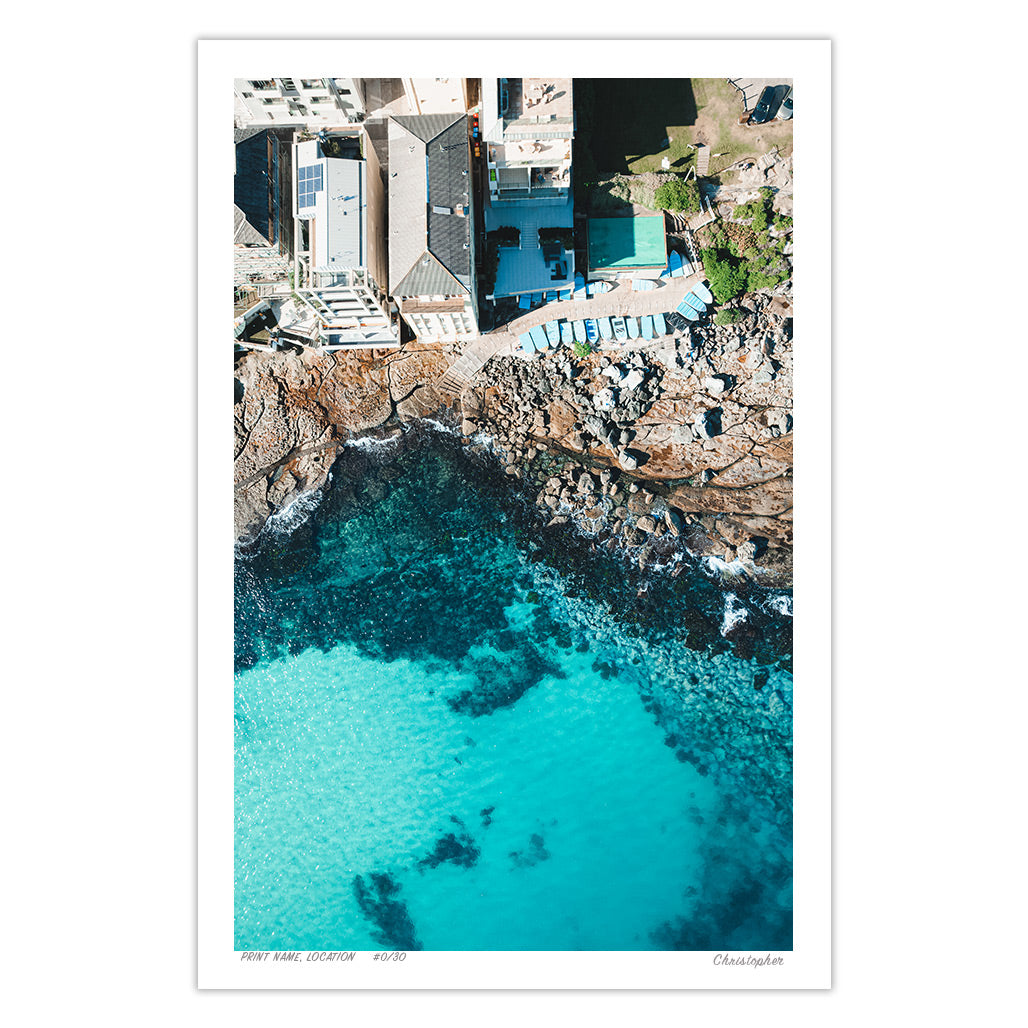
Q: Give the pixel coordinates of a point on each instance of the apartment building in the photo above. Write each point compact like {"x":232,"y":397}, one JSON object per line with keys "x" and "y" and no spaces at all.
{"x":314,"y":103}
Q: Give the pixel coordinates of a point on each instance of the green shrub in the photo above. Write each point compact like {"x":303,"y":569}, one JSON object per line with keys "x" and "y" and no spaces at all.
{"x":727,"y":279}
{"x":581,"y":349}
{"x":729,"y":316}
{"x":506,"y":235}
{"x":564,"y":236}
{"x":678,"y":196}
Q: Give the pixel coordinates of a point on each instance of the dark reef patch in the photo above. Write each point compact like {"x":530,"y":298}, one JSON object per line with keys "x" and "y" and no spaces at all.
{"x":450,"y":848}
{"x":502,"y":683}
{"x":531,"y":856}
{"x":379,"y":904}
{"x":745,"y":899}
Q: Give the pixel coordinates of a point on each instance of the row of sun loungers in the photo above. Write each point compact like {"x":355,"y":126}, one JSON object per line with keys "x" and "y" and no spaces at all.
{"x":526,"y":301}
{"x":619,"y":328}
{"x":591,"y":330}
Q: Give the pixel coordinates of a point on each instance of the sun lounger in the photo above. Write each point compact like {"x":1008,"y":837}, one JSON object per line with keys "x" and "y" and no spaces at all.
{"x":592,"y":330}
{"x":567,"y":335}
{"x":633,"y":328}
{"x":674,"y":264}
{"x":581,"y":336}
{"x":647,"y":326}
{"x":551,"y":294}
{"x":552,"y":333}
{"x":620,"y":331}
{"x":538,"y":334}
{"x":695,"y":302}
{"x":567,"y":294}
{"x":642,"y":285}
{"x":524,"y":301}
{"x":687,"y":312}
{"x":526,"y":343}
{"x":703,"y":292}
{"x":606,"y":330}
{"x":580,"y":292}
{"x":658,"y":325}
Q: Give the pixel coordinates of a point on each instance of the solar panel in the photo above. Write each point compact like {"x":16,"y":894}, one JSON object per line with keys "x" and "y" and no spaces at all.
{"x":309,"y":180}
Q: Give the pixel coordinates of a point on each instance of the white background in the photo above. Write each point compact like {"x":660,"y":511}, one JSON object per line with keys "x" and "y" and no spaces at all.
{"x":99,"y":418}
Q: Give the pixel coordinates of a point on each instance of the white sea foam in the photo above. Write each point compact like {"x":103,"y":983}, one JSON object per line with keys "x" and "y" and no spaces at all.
{"x":290,"y":517}
{"x":731,"y":569}
{"x":440,"y":427}
{"x":371,"y":442}
{"x":780,"y":604}
{"x":735,"y":613}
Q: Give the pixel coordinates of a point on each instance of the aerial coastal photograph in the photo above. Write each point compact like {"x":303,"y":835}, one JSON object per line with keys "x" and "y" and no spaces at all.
{"x":513,"y":514}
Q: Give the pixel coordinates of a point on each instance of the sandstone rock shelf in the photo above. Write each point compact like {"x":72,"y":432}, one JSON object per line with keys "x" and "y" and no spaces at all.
{"x":684,"y":442}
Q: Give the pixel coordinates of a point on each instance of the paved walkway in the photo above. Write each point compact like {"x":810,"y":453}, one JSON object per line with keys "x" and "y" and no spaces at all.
{"x":621,"y":300}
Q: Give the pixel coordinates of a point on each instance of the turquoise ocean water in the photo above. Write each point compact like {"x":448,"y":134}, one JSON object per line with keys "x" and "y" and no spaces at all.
{"x":458,"y":731}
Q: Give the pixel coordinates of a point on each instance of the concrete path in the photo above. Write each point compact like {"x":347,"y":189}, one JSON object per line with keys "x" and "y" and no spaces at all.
{"x":621,"y":300}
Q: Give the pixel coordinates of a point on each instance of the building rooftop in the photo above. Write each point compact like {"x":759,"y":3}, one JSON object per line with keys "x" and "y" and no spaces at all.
{"x":526,"y":107}
{"x":338,"y":204}
{"x":429,"y":201}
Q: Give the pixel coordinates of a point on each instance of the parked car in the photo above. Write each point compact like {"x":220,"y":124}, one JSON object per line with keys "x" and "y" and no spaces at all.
{"x":763,"y":109}
{"x":785,"y":111}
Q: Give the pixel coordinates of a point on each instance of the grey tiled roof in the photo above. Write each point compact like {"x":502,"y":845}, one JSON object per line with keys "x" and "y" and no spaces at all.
{"x":427,"y":278}
{"x":240,"y":135}
{"x":243,"y":232}
{"x":429,"y":167}
{"x":426,"y":126}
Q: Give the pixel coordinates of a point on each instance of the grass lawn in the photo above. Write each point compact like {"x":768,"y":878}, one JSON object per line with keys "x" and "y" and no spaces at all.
{"x":640,"y":121}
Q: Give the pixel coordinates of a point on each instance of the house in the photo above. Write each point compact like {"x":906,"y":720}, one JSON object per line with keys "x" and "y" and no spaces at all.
{"x":527,"y":130}
{"x":431,"y":226}
{"x":528,"y":126}
{"x":340,"y":263}
{"x":318,"y":103}
{"x":262,"y":183}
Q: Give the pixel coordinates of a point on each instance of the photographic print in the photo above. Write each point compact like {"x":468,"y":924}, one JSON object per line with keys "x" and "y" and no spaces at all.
{"x":512,"y":513}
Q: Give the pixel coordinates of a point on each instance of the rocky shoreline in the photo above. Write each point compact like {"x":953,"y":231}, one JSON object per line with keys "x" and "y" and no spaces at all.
{"x":676,"y":447}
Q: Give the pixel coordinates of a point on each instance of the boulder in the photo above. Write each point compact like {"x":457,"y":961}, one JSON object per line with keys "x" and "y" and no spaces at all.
{"x":646,"y":524}
{"x":633,"y":379}
{"x":707,"y":424}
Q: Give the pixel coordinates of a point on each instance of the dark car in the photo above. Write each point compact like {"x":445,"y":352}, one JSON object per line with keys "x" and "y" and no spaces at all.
{"x":785,"y":111}
{"x":763,"y":109}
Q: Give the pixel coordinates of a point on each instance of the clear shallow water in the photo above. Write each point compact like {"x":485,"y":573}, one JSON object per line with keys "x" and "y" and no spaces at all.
{"x":456,"y":732}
